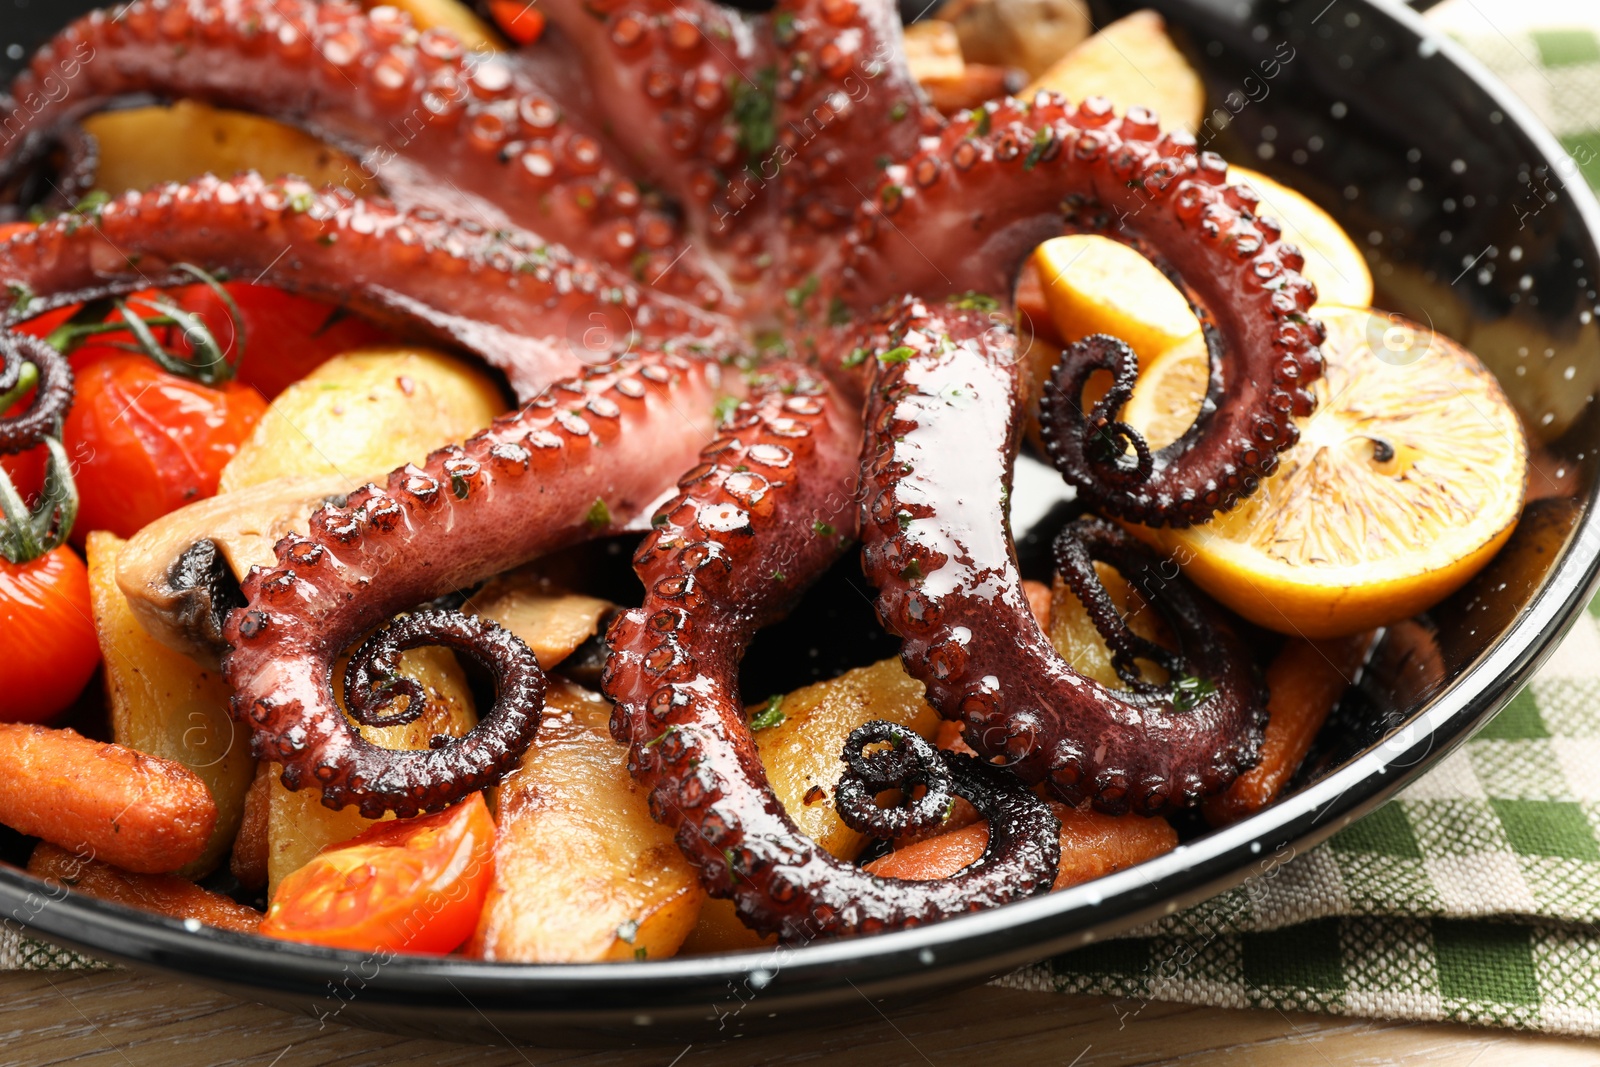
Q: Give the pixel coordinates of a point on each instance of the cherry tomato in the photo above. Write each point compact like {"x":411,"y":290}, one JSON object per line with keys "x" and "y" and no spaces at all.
{"x":50,"y":645}
{"x":144,"y":442}
{"x":286,"y":336}
{"x":518,"y":20}
{"x":408,"y":885}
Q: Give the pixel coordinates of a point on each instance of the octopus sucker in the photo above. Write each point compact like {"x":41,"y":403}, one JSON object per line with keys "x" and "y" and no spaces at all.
{"x":441,"y":126}
{"x":951,"y":589}
{"x":714,"y":572}
{"x":826,"y":253}
{"x":522,"y":488}
{"x":1013,"y":173}
{"x":525,"y":305}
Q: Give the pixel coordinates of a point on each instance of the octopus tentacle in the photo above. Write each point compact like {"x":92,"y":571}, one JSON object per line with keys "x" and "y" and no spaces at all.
{"x":842,"y":83}
{"x":584,"y":458}
{"x":731,"y":551}
{"x":527,"y":307}
{"x":701,"y":72}
{"x":467,"y":134}
{"x":935,"y":543}
{"x":963,"y":213}
{"x":52,"y":393}
{"x":1075,"y":559}
{"x":906,"y":763}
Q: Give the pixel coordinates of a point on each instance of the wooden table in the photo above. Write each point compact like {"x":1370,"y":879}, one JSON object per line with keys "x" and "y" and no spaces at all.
{"x":124,"y":1019}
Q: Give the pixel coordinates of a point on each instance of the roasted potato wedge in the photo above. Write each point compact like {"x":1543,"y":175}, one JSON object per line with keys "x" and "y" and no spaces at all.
{"x":298,"y":826}
{"x":165,"y":704}
{"x":364,"y":413}
{"x":1132,"y":62}
{"x":800,"y":752}
{"x":933,"y":51}
{"x":549,"y":620}
{"x":1031,"y":34}
{"x":250,"y":846}
{"x":1080,"y":644}
{"x":582,"y":872}
{"x":977,"y":84}
{"x":145,"y":146}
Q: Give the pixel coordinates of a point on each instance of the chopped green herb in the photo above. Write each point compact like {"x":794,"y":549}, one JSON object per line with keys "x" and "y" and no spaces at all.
{"x":658,"y":521}
{"x":301,"y":201}
{"x":754,"y":103}
{"x":723,"y":410}
{"x":838,"y":312}
{"x":1041,"y":144}
{"x":975,"y":301}
{"x":903,"y":518}
{"x":771,"y":714}
{"x":979,"y":117}
{"x":897,"y":355}
{"x":783,"y":26}
{"x":641,"y":953}
{"x":912,"y":571}
{"x":599,"y":516}
{"x":897,"y":112}
{"x":1190,"y":692}
{"x":798,"y":296}
{"x":91,"y":205}
{"x":856,"y":357}
{"x":459,"y":486}
{"x":779,"y":576}
{"x":662,"y":736}
{"x":823,"y":529}
{"x":21,"y":296}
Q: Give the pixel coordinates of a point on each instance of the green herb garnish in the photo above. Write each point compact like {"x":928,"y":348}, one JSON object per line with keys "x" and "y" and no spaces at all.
{"x":771,"y":714}
{"x":1190,"y":692}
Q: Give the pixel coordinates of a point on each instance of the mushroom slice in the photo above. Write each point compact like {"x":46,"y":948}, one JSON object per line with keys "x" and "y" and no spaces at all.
{"x":181,"y":573}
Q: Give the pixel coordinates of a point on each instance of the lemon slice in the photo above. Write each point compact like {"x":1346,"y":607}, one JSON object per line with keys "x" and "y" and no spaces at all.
{"x":1093,"y":284}
{"x":1404,"y":483}
{"x":1333,"y":262}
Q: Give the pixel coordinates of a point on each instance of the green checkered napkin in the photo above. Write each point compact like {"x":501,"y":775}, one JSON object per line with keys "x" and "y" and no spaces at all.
{"x":1474,"y":896}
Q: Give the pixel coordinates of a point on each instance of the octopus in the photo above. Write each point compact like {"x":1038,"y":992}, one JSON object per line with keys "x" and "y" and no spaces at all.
{"x":755,"y":206}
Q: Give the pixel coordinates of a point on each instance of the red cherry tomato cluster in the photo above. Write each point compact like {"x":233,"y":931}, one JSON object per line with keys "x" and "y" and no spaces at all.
{"x":143,"y":441}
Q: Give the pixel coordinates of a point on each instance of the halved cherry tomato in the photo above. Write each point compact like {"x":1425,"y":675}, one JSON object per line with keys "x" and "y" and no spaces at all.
{"x":518,"y":20}
{"x":144,"y":442}
{"x":50,"y":645}
{"x":408,"y":885}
